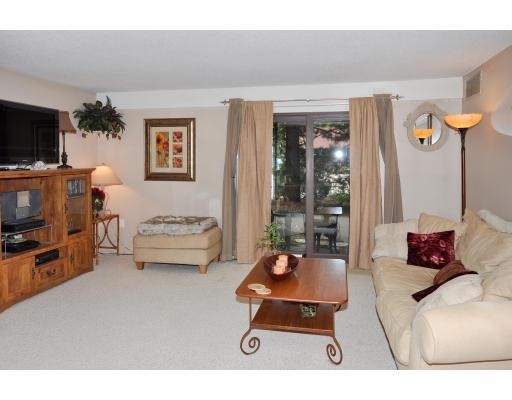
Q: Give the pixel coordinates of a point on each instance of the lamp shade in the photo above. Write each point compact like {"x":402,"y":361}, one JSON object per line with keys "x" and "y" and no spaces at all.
{"x":462,"y":121}
{"x":103,"y":175}
{"x":65,"y":124}
{"x":423,"y":133}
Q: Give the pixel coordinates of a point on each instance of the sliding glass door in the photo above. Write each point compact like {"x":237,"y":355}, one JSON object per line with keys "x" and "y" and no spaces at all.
{"x":310,"y":193}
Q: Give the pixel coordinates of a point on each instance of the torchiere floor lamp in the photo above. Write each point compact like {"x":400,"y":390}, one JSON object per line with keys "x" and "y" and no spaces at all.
{"x":461,"y":123}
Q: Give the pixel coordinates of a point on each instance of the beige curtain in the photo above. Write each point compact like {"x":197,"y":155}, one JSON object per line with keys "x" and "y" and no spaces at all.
{"x":365,"y":197}
{"x":229,"y":186}
{"x":392,"y":190}
{"x":254,"y":178}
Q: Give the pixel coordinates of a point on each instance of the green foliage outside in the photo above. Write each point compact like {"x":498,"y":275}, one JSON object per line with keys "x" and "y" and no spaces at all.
{"x":331,"y":175}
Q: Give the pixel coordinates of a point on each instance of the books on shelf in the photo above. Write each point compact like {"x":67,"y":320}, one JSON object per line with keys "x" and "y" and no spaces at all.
{"x":76,"y":187}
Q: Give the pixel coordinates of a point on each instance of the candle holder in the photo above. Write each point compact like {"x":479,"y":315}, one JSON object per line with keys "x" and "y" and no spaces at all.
{"x":270,"y":262}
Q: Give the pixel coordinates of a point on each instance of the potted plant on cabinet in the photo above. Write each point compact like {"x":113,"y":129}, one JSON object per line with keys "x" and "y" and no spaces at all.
{"x":100,"y":119}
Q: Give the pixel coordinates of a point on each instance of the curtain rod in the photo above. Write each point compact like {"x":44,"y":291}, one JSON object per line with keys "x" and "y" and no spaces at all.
{"x":393,"y":97}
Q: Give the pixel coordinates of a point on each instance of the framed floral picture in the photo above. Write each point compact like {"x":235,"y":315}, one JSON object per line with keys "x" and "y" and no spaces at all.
{"x":170,"y":149}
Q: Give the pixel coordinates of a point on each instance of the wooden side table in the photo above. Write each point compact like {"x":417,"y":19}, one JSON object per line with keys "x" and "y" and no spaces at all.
{"x":105,"y":221}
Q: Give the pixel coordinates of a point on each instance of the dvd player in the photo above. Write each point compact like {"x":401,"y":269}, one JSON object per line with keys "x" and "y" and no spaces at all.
{"x":22,"y":225}
{"x":16,"y":247}
{"x":47,"y":256}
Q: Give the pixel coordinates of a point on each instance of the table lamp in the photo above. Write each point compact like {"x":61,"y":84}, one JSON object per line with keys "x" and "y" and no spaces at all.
{"x":103,"y":176}
{"x":461,"y":123}
{"x":422,"y":134}
{"x":65,"y":125}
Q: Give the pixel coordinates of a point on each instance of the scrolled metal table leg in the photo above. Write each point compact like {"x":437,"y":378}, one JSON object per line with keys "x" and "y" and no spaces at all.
{"x":332,"y":352}
{"x":253,"y":343}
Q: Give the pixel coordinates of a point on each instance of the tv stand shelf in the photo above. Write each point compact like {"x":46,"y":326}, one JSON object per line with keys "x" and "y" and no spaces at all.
{"x":7,"y":235}
{"x":68,"y":229}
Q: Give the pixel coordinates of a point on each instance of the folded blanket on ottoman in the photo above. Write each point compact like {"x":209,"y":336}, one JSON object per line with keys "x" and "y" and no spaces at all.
{"x":172,"y":225}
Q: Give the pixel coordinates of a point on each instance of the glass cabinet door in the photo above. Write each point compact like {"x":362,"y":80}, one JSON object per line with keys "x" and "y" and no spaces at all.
{"x":76,"y":205}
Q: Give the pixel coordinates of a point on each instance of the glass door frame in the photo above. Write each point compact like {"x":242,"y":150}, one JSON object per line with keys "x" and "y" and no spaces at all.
{"x":310,"y":117}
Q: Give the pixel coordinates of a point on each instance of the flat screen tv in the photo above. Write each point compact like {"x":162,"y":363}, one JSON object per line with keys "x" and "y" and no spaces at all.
{"x":28,"y":133}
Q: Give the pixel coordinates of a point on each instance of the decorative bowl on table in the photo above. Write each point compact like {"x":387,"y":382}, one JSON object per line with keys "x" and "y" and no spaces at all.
{"x":270,"y":262}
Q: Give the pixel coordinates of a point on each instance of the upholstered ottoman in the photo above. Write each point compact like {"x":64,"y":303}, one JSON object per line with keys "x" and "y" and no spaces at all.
{"x":175,"y":248}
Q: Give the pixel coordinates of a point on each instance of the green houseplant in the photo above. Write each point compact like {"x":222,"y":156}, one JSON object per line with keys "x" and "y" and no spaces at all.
{"x":100,"y":119}
{"x":272,"y":238}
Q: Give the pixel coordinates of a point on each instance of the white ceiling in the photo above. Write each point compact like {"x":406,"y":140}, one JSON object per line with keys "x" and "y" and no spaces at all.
{"x":105,"y":61}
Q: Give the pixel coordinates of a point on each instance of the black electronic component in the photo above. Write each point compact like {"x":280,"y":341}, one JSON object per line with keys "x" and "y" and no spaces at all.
{"x":47,"y":256}
{"x":22,"y":225}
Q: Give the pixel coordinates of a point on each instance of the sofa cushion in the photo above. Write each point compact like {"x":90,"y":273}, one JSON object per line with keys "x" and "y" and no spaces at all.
{"x":175,"y":225}
{"x":496,"y":222}
{"x":431,"y":250}
{"x":396,"y":310}
{"x":445,"y":274}
{"x":497,"y":284}
{"x":393,"y":273}
{"x":472,"y":221}
{"x":431,"y":223}
{"x":418,"y":296}
{"x":391,"y":239}
{"x":462,"y":289}
{"x":485,"y":248}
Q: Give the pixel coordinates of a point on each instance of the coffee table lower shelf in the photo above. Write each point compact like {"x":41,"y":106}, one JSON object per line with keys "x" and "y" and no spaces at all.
{"x":286,"y":316}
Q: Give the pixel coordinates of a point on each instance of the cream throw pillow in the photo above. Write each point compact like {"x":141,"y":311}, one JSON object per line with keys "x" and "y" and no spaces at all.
{"x":432,"y":223}
{"x":497,"y":284}
{"x":472,"y":221}
{"x":496,"y":222}
{"x":462,"y":289}
{"x":391,"y":239}
{"x":483,"y":248}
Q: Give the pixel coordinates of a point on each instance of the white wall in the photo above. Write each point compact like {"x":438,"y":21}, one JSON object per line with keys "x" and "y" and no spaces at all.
{"x":489,"y":153}
{"x":24,"y":89}
{"x":429,"y":180}
{"x":137,"y":200}
{"x":446,"y":88}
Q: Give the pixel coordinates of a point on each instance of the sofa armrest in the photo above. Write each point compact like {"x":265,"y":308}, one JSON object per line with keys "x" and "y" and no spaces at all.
{"x":464,"y":333}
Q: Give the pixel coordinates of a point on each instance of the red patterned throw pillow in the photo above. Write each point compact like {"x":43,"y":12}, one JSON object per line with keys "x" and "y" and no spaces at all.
{"x":431,"y":250}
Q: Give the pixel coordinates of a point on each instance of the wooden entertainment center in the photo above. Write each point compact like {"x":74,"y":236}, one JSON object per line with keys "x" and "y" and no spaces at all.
{"x":66,"y":210}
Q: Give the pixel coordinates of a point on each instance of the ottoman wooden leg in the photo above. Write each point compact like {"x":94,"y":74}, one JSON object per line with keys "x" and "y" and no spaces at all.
{"x":203,"y":268}
{"x":140,"y":265}
{"x":217,"y":259}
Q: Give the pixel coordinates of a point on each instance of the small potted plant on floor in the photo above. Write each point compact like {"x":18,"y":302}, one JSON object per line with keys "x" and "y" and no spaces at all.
{"x":271,"y":240}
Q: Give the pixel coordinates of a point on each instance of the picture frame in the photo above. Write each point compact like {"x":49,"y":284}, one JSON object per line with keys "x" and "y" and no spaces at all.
{"x":170,"y":149}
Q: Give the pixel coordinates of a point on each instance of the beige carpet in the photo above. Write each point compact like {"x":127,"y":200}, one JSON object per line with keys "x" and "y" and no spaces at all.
{"x":171,"y":317}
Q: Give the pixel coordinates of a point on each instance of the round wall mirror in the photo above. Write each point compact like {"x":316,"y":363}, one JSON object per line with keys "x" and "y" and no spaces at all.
{"x":425,"y":128}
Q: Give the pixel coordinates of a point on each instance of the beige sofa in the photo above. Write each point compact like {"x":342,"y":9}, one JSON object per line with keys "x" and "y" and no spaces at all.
{"x":470,"y":335}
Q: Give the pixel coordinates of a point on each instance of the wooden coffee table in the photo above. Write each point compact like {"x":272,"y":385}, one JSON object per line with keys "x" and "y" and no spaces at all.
{"x":320,"y":281}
